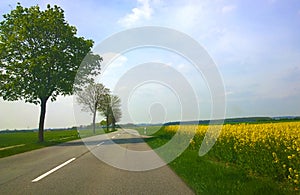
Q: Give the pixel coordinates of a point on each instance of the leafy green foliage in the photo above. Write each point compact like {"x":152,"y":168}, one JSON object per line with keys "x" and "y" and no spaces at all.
{"x":110,"y":107}
{"x":40,"y":54}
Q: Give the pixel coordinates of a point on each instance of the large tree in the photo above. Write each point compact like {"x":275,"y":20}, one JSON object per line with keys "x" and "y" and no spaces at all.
{"x":40,"y":55}
{"x":116,"y":112}
{"x":91,"y":97}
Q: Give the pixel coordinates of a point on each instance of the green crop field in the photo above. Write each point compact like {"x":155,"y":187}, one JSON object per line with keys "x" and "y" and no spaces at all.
{"x":19,"y":142}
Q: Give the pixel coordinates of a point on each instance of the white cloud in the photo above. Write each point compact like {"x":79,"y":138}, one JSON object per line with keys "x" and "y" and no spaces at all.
{"x":113,"y":67}
{"x":113,"y":60}
{"x":228,"y":8}
{"x":190,"y":17}
{"x":185,"y":68}
{"x":187,"y":16}
{"x":142,"y":11}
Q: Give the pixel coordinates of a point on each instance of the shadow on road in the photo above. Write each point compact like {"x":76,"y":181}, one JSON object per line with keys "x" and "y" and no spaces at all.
{"x":105,"y":142}
{"x":126,"y":141}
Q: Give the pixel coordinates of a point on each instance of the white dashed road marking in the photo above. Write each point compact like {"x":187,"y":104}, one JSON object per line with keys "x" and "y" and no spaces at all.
{"x":100,"y":144}
{"x":53,"y":170}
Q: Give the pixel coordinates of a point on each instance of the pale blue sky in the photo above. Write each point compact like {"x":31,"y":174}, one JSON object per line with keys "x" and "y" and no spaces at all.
{"x":255,"y":45}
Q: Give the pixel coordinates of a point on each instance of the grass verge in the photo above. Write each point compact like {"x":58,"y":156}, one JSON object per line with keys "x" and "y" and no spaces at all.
{"x":19,"y":142}
{"x":208,"y":176}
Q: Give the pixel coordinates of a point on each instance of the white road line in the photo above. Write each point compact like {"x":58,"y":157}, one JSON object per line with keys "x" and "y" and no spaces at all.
{"x":100,"y":144}
{"x":52,"y":170}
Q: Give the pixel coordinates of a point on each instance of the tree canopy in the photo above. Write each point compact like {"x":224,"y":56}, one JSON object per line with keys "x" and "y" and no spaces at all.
{"x":40,"y":55}
{"x":91,"y":98}
{"x":95,"y":97}
{"x":111,"y":109}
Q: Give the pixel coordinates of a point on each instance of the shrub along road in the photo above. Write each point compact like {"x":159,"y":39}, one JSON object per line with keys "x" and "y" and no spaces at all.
{"x":71,"y":168}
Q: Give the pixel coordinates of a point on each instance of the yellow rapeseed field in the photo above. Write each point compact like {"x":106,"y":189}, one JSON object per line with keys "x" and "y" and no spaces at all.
{"x":270,"y":149}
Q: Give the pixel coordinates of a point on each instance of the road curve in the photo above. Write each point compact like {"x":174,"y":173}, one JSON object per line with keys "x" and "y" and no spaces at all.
{"x":73,"y":168}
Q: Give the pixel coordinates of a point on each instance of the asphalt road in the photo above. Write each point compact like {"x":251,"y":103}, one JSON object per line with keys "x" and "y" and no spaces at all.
{"x":75,"y":168}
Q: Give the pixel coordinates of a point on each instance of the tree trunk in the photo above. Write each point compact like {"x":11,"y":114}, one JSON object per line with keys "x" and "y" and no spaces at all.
{"x":107,"y":123}
{"x":42,"y":119}
{"x":107,"y":117}
{"x":113,"y":126}
{"x":94,"y":122}
{"x":113,"y":123}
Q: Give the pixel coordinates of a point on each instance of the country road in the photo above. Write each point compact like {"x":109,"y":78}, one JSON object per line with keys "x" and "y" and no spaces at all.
{"x":73,"y":168}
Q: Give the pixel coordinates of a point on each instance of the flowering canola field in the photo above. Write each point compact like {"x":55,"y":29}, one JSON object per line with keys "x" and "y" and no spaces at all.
{"x":270,"y":149}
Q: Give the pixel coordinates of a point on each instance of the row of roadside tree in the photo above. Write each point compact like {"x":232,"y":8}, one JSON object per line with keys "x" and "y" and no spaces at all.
{"x":97,"y":98}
